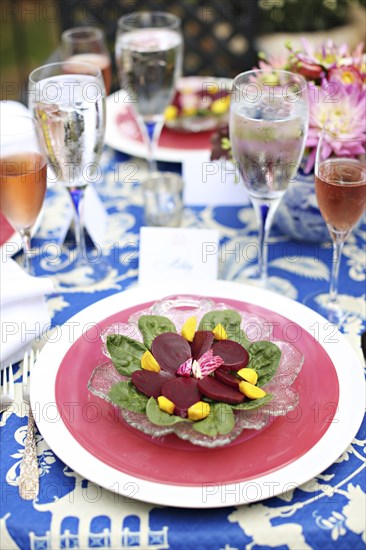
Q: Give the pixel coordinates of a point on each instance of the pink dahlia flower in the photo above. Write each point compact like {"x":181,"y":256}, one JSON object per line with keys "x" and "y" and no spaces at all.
{"x":342,"y":109}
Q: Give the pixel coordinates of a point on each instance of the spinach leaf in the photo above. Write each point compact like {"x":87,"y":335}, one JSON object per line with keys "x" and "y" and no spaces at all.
{"x":220,"y":421}
{"x":252,"y":404}
{"x":153,"y":325}
{"x":159,"y":417}
{"x":240,"y":337}
{"x":264,"y":358}
{"x":125,"y":395}
{"x":125,"y":353}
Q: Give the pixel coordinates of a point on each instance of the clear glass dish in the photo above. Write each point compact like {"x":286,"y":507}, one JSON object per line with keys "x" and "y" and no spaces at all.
{"x":178,"y":309}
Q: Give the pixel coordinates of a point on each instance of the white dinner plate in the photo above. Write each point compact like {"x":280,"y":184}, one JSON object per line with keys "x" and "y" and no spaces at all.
{"x":79,"y":455}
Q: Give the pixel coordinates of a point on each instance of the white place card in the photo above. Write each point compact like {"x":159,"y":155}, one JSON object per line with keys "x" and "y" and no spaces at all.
{"x":212,"y":183}
{"x":95,"y":215}
{"x":171,"y":254}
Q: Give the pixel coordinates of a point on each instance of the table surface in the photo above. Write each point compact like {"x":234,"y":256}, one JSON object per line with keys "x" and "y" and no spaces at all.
{"x":326,"y":512}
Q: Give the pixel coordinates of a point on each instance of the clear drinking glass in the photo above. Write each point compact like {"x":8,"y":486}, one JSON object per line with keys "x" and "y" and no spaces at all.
{"x":340,"y":186}
{"x":88,"y":45}
{"x":68,"y":100}
{"x":268,"y":126}
{"x":149,"y":54}
{"x":23,"y":177}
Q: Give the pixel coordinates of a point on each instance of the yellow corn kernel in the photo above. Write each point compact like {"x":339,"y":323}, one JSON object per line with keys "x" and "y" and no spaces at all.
{"x":165,"y":404}
{"x":148,"y":362}
{"x":189,"y":328}
{"x":250,"y":391}
{"x":189,"y":111}
{"x":198,"y":411}
{"x":272,"y":79}
{"x":249,"y":375}
{"x":219,"y":332}
{"x":171,"y":112}
{"x":221,"y":105}
{"x":212,"y":88}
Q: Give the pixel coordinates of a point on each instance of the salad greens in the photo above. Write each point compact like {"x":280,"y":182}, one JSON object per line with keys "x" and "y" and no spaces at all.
{"x":159,"y":417}
{"x":264,"y":358}
{"x":126,"y":353}
{"x":153,"y":325}
{"x":125,"y":395}
{"x":220,"y":421}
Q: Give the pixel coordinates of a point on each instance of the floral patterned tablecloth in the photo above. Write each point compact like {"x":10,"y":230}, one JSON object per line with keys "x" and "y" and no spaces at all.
{"x":71,"y":512}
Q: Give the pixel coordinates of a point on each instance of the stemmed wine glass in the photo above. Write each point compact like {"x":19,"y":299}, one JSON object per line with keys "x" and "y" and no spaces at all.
{"x":23,"y":177}
{"x":268,"y":126}
{"x":68,"y":100}
{"x":149,"y":52}
{"x":340,"y":187}
{"x":88,"y":45}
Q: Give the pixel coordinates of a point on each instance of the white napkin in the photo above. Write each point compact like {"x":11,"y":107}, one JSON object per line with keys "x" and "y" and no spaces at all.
{"x":24,"y":314}
{"x":9,"y":113}
{"x":10,"y":108}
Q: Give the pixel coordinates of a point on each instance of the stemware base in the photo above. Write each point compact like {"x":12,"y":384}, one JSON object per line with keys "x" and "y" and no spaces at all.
{"x":251,"y":275}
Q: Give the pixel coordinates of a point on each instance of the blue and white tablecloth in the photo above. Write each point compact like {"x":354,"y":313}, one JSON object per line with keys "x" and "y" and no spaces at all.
{"x":70,"y":512}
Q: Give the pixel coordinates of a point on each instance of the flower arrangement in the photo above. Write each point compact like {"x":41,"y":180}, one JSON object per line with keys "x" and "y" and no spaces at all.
{"x":337,"y":92}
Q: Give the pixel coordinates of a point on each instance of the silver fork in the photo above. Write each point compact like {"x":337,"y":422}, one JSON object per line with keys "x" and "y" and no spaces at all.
{"x":6,"y":388}
{"x":29,"y":477}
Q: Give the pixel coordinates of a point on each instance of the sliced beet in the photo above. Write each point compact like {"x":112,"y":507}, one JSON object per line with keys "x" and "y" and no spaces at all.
{"x":149,"y":382}
{"x":183,"y":392}
{"x":201,"y":343}
{"x":170,"y":350}
{"x":216,"y":390}
{"x":227,"y":378}
{"x":234,"y":355}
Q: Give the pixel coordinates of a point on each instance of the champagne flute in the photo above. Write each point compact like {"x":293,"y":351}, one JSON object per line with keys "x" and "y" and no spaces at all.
{"x":149,"y":55}
{"x":88,"y":45}
{"x":68,"y":100}
{"x":340,"y":187}
{"x":268,"y":126}
{"x":23,"y":177}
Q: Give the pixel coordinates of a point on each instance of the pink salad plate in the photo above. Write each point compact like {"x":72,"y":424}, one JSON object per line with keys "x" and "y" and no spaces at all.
{"x":88,"y":434}
{"x":123,"y":134}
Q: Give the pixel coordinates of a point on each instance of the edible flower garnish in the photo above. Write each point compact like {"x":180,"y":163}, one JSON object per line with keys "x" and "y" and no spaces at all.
{"x":207,"y":363}
{"x":185,"y":368}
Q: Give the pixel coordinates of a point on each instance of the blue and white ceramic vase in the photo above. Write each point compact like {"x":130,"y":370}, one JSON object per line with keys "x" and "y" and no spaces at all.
{"x":298,"y":215}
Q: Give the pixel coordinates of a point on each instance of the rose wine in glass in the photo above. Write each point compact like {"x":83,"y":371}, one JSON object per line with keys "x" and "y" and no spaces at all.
{"x":68,"y":100}
{"x":88,"y":45}
{"x":340,"y":186}
{"x":23,"y":177}
{"x":268,"y":127}
{"x":149,"y":54}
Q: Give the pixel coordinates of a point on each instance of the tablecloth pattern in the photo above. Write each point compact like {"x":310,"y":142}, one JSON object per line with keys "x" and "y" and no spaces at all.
{"x":71,"y":512}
